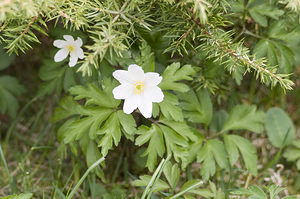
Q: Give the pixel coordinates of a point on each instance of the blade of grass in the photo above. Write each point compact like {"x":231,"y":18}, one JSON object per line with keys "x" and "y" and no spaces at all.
{"x":158,"y":176}
{"x":4,"y":163}
{"x":153,"y":180}
{"x":84,"y":176}
{"x":186,"y":190}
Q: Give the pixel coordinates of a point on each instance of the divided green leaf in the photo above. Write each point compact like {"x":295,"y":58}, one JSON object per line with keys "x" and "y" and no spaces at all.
{"x":243,"y":117}
{"x":211,"y":153}
{"x":235,"y":144}
{"x":175,"y":73}
{"x":197,"y":106}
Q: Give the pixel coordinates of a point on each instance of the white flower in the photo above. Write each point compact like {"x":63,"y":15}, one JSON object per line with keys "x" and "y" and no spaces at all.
{"x":139,"y":89}
{"x":69,"y":46}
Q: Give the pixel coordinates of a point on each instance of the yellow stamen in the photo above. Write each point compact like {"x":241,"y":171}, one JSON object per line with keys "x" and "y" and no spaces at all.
{"x":138,"y":87}
{"x":70,"y":48}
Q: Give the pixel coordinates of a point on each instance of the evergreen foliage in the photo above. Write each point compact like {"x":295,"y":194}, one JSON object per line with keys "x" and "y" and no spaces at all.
{"x":225,"y":65}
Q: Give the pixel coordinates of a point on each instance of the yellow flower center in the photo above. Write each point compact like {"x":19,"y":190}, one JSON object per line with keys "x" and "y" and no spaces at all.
{"x":138,"y":87}
{"x":70,"y":48}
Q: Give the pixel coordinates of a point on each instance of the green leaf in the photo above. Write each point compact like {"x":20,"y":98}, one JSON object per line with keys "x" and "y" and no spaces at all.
{"x":172,"y":173}
{"x":189,"y":184}
{"x":254,"y":192}
{"x":90,"y":123}
{"x":111,"y":133}
{"x":95,"y":96}
{"x":277,"y":53}
{"x":233,"y":143}
{"x":147,"y":59}
{"x":263,"y":10}
{"x":280,"y":128}
{"x":144,"y":181}
{"x":293,"y":153}
{"x":197,"y":106}
{"x":160,"y":137}
{"x":218,"y":121}
{"x":20,"y":196}
{"x":156,"y":146}
{"x":128,"y":124}
{"x":212,"y":152}
{"x":169,"y":107}
{"x":66,"y":108}
{"x":56,"y":76}
{"x":92,"y":155}
{"x":243,"y":117}
{"x":181,"y":128}
{"x":173,"y":74}
{"x":10,"y":88}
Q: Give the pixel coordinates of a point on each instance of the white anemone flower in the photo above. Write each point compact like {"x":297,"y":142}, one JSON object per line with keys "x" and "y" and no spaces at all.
{"x":69,"y":46}
{"x":139,"y":89}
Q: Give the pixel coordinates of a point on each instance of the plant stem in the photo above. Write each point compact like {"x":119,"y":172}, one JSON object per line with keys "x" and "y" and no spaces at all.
{"x":84,"y":176}
{"x":186,"y":190}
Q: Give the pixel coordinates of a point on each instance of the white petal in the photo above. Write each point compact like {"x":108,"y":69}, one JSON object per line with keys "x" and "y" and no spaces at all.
{"x":123,"y":77}
{"x":152,"y":79}
{"x":78,"y":42}
{"x":123,"y":91}
{"x":60,"y":43}
{"x":79,"y":53}
{"x":136,"y":72}
{"x":153,"y":94}
{"x":73,"y":60}
{"x":69,"y":38}
{"x":145,"y":108}
{"x":131,"y":103}
{"x":61,"y":55}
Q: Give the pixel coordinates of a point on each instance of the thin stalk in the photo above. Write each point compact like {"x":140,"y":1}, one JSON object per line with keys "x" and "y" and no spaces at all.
{"x":186,"y":190}
{"x":120,"y":160}
{"x":84,"y":176}
{"x":4,"y":163}
{"x":147,"y":189}
{"x":158,"y":176}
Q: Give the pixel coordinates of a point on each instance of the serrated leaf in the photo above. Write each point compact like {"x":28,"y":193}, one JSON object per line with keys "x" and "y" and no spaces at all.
{"x":197,"y":106}
{"x":144,"y":181}
{"x":172,"y":173}
{"x":257,"y":193}
{"x":175,"y":73}
{"x":243,"y":117}
{"x":95,"y":96}
{"x":111,"y":133}
{"x":181,"y":128}
{"x":233,"y":143}
{"x":90,"y":124}
{"x":212,"y":152}
{"x":155,"y":147}
{"x":128,"y":124}
{"x":169,"y":107}
{"x":280,"y":128}
{"x":66,"y":108}
{"x":161,"y":137}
